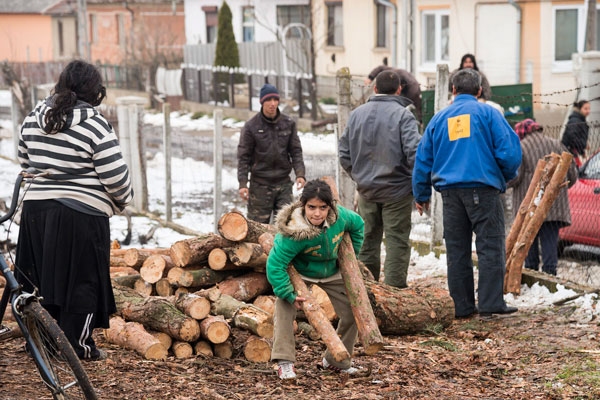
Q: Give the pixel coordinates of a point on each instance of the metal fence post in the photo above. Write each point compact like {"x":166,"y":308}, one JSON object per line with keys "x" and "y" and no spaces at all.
{"x":250,"y":92}
{"x":232,"y":85}
{"x":218,"y":165}
{"x":300,"y":103}
{"x":168,"y":154}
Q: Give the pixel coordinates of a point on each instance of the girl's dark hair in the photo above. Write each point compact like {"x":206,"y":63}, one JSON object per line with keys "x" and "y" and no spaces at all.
{"x":78,"y":81}
{"x":464,"y":58}
{"x":317,"y":189}
{"x":580,"y":103}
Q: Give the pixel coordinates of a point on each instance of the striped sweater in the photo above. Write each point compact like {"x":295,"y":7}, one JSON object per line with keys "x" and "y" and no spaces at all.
{"x":84,"y":161}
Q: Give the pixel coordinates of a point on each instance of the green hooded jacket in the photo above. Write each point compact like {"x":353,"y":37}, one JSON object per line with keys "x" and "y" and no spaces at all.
{"x":312,"y":250}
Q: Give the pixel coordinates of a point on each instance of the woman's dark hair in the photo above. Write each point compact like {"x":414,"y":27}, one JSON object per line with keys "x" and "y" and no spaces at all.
{"x":464,"y":58}
{"x":319,"y":189}
{"x":78,"y":81}
{"x":580,"y":103}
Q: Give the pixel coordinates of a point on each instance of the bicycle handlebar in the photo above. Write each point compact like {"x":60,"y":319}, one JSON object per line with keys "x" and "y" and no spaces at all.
{"x":29,"y":174}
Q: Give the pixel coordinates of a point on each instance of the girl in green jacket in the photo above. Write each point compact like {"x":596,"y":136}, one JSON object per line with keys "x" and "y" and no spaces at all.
{"x":309,"y":234}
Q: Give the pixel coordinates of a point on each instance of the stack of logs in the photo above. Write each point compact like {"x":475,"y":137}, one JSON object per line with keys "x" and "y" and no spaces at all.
{"x":195,"y":297}
{"x":546,"y":183}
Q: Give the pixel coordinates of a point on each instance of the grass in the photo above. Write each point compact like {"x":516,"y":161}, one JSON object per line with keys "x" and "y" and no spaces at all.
{"x":197,"y":115}
{"x":444,"y":344}
{"x":328,"y":100}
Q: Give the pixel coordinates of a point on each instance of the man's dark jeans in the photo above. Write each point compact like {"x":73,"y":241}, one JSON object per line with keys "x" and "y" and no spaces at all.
{"x":548,"y":238}
{"x":266,"y":200}
{"x":466,"y":211}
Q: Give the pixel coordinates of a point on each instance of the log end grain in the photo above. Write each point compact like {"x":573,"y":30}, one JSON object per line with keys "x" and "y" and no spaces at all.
{"x":257,"y":349}
{"x":233,"y":226}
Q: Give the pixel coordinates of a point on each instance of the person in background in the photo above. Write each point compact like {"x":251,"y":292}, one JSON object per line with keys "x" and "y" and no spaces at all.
{"x":410,"y":87}
{"x":309,"y":235}
{"x":469,"y":61}
{"x":269,"y":148}
{"x":535,"y":146}
{"x":575,"y":137}
{"x":468,"y":152}
{"x":377,"y":150}
{"x":64,"y":235}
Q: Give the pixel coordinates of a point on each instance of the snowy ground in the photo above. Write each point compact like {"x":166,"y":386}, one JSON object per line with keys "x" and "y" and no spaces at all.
{"x":421,"y":266}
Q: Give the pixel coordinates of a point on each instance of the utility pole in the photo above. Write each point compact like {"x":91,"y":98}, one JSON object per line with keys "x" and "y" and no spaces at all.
{"x":590,"y":28}
{"x":83,"y":47}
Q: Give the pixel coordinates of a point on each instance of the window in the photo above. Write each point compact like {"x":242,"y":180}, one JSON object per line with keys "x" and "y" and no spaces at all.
{"x":121,"y":30}
{"x":212,"y":21}
{"x":382,"y":26}
{"x":93,"y":28}
{"x":569,"y":34}
{"x":293,"y":14}
{"x":61,"y":39}
{"x":436,"y":37}
{"x":248,"y":24}
{"x":335,"y":31}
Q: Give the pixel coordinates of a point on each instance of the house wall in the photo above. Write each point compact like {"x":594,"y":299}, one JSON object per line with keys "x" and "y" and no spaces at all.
{"x":26,"y":38}
{"x":69,"y":25}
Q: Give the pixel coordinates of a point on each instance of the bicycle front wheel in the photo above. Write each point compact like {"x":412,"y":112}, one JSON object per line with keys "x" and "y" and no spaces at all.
{"x":68,"y":379}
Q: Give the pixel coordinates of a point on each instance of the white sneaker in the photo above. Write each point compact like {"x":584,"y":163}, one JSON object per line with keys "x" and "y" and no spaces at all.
{"x":286,"y":370}
{"x":353,"y":371}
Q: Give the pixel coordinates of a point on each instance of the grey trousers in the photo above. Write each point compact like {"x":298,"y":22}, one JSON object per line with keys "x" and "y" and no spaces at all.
{"x":477,"y":210}
{"x":284,"y":343}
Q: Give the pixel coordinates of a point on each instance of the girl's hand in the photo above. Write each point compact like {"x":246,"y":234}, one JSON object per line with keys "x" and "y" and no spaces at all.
{"x":298,"y":302}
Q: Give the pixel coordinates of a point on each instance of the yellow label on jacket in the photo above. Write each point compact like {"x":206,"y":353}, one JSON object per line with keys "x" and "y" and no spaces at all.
{"x":459,"y":127}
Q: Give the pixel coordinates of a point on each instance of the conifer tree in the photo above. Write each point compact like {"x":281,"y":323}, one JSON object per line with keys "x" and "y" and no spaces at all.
{"x":226,"y":53}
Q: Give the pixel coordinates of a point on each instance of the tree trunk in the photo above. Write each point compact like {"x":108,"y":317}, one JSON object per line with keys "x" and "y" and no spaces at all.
{"x":257,"y":349}
{"x":244,"y":316}
{"x":203,"y":277}
{"x":215,"y":329}
{"x":249,"y":255}
{"x":235,"y":227}
{"x":411,"y":310}
{"x":135,"y":257}
{"x":195,"y":251}
{"x":317,"y":318}
{"x":245,"y":287}
{"x":155,"y":267}
{"x":512,"y":280}
{"x":133,"y":336}
{"x":155,"y":313}
{"x":164,"y":338}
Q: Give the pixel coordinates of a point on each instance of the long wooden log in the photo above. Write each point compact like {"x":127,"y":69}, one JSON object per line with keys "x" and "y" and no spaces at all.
{"x":156,"y":267}
{"x":218,"y":261}
{"x":512,"y":281}
{"x":135,"y":257}
{"x":215,"y":329}
{"x":245,"y":287}
{"x":317,"y":318}
{"x":133,"y":336}
{"x":202,"y":277}
{"x":155,"y":313}
{"x":515,"y":228}
{"x":162,"y":337}
{"x":247,"y":254}
{"x":235,"y":227}
{"x":322,"y":299}
{"x":195,"y":251}
{"x":244,"y":316}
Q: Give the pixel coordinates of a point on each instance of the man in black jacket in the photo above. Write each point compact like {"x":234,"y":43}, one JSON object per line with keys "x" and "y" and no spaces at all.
{"x":268,"y":150}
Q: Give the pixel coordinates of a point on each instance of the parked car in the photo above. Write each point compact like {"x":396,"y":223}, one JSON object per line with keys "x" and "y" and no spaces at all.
{"x":584,"y":200}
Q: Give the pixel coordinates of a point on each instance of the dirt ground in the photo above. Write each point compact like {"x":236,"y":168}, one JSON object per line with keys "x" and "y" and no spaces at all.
{"x":541,"y":354}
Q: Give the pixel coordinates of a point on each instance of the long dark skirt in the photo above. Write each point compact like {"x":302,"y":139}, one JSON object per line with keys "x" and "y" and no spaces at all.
{"x":66,"y":254}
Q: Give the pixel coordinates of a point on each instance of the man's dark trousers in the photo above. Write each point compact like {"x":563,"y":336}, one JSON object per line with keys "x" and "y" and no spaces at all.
{"x":266,"y":199}
{"x":477,"y":210}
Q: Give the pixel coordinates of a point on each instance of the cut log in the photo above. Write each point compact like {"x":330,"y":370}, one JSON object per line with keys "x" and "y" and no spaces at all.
{"x":144,"y":288}
{"x":257,"y":349}
{"x":133,"y":336}
{"x":235,"y":227}
{"x":411,"y":310}
{"x":514,"y":265}
{"x":195,"y":251}
{"x":211,"y":294}
{"x":317,"y":318}
{"x":182,"y":349}
{"x":122,"y":271}
{"x":266,"y":303}
{"x":155,"y":313}
{"x":156,"y":267}
{"x":266,"y":241}
{"x":308,"y":330}
{"x":215,"y":329}
{"x":118,"y":252}
{"x":244,"y":316}
{"x":203,"y":277}
{"x":164,"y":288}
{"x":245,"y":287}
{"x":164,"y":338}
{"x":125,"y":280}
{"x":204,"y":348}
{"x":192,"y":305}
{"x":218,"y":261}
{"x":223,"y":350}
{"x":117,"y":262}
{"x":323,"y":300}
{"x":135,"y":258}
{"x":247,"y":254}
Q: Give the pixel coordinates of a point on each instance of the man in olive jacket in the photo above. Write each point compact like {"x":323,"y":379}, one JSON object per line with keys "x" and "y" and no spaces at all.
{"x":377,"y":150}
{"x":268,"y":149}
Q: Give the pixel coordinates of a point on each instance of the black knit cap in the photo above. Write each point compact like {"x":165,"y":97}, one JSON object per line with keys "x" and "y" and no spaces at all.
{"x":267,"y":92}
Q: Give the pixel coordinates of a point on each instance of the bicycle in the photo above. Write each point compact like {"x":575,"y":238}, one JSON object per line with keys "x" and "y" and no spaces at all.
{"x":56,"y":361}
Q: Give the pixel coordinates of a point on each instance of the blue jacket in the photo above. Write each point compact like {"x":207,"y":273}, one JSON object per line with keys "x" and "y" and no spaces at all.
{"x":467,"y":144}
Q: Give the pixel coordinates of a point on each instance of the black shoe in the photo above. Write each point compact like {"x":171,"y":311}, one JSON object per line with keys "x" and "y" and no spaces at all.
{"x":505,"y":310}
{"x":469,"y":315}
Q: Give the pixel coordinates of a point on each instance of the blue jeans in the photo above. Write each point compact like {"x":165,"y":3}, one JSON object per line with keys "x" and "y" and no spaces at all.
{"x":548,"y":238}
{"x":467,"y":211}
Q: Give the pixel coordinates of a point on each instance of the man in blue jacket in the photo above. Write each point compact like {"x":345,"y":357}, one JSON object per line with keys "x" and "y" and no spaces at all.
{"x":377,"y":150}
{"x":468,"y":153}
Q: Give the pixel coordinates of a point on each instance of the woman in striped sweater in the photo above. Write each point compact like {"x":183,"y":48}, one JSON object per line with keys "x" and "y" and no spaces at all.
{"x":64,"y":237}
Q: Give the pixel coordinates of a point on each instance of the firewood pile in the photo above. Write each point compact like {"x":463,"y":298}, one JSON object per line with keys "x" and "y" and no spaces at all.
{"x":209,"y":295}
